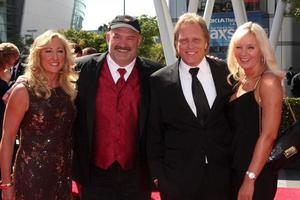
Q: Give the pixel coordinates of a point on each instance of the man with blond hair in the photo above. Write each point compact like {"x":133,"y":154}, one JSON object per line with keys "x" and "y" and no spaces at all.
{"x":188,"y":134}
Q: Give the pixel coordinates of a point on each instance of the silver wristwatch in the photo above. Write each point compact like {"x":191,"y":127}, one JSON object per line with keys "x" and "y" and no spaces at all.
{"x":251,"y":175}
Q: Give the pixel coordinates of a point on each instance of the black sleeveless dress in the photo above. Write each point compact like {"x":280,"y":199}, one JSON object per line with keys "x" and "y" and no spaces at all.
{"x":243,"y":114}
{"x":42,"y":168}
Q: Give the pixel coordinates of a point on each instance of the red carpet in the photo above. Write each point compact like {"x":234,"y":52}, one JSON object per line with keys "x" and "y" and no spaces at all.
{"x":287,"y":194}
{"x":281,"y":194}
{"x":155,"y":196}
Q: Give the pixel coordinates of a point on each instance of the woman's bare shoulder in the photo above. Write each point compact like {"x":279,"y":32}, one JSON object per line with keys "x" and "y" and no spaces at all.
{"x":270,"y":79}
{"x":19,"y":93}
{"x":270,"y":86}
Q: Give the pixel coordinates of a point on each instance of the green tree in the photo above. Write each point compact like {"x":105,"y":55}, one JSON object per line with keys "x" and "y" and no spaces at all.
{"x":103,"y":28}
{"x":294,"y":8}
{"x":86,"y":39}
{"x":150,"y":47}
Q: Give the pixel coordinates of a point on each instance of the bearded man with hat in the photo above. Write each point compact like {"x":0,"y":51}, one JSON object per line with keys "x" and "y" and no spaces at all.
{"x":109,"y":159}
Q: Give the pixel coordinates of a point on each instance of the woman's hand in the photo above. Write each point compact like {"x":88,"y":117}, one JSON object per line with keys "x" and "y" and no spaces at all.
{"x":8,"y":193}
{"x":247,"y":189}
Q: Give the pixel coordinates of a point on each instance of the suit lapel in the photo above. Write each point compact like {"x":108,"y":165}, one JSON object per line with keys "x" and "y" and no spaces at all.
{"x":218,"y":78}
{"x":144,"y":74}
{"x":19,"y":70}
{"x":175,"y":79}
{"x":92,"y":76}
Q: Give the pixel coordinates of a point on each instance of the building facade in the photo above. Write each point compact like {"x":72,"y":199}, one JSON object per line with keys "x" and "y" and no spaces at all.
{"x":78,"y":14}
{"x":29,"y":18}
{"x":11,"y":12}
{"x":223,"y":25}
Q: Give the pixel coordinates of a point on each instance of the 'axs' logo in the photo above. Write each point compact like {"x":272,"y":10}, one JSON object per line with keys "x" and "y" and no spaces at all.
{"x":221,"y":34}
{"x":222,"y":28}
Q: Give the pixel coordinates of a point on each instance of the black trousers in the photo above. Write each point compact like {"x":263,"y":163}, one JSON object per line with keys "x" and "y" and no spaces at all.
{"x":210,"y":182}
{"x":114,"y":184}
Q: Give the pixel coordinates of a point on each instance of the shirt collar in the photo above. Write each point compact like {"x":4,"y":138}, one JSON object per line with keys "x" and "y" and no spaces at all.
{"x":203,"y":66}
{"x":114,"y":66}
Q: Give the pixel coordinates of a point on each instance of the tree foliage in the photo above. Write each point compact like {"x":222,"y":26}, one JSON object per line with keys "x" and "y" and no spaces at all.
{"x":150,"y":47}
{"x":86,"y":39}
{"x":294,"y":8}
{"x":103,"y":28}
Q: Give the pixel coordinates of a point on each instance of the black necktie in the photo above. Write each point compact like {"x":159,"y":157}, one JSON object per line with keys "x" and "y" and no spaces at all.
{"x":13,"y":74}
{"x":121,"y":81}
{"x":199,"y":96}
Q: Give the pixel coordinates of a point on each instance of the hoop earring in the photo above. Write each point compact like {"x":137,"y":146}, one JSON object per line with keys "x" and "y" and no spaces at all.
{"x":263,"y":60}
{"x":238,"y":70}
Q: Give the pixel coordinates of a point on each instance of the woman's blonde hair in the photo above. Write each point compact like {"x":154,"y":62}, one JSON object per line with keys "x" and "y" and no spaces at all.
{"x":8,"y":51}
{"x":268,"y":56}
{"x":36,"y":74}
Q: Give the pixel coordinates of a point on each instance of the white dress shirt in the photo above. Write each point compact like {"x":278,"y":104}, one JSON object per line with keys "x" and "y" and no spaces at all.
{"x":113,"y":68}
{"x":204,"y":76}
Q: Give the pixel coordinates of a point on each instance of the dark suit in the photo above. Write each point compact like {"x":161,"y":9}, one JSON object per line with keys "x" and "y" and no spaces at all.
{"x":18,"y":72}
{"x":90,"y":67}
{"x":178,"y":143}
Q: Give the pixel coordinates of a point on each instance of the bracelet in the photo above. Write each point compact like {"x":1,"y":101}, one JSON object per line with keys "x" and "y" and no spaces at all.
{"x":251,"y":175}
{"x":4,"y":186}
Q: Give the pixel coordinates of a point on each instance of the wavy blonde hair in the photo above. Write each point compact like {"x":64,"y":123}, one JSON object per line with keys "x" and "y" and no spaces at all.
{"x":268,"y":56}
{"x":36,"y":74}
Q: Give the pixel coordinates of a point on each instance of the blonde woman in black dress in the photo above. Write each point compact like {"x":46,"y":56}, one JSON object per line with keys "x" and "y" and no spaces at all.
{"x":42,"y":107}
{"x":254,"y":111}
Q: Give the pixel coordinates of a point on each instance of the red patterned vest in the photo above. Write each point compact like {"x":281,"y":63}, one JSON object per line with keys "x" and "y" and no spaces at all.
{"x":116,"y":120}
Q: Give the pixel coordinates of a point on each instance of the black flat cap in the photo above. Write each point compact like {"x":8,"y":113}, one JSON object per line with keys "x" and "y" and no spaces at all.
{"x":125,"y":21}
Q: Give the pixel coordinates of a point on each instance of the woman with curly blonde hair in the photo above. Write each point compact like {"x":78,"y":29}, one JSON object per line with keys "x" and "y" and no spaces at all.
{"x":36,"y":74}
{"x":42,"y":107}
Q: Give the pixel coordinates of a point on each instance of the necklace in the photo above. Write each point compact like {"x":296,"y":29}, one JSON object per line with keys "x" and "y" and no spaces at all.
{"x":246,"y":80}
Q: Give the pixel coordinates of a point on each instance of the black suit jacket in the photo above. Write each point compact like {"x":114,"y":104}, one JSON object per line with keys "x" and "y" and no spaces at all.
{"x":20,"y":71}
{"x":178,"y":142}
{"x":90,"y":67}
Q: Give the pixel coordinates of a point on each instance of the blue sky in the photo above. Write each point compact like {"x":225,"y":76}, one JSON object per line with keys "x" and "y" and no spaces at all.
{"x":100,"y":12}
